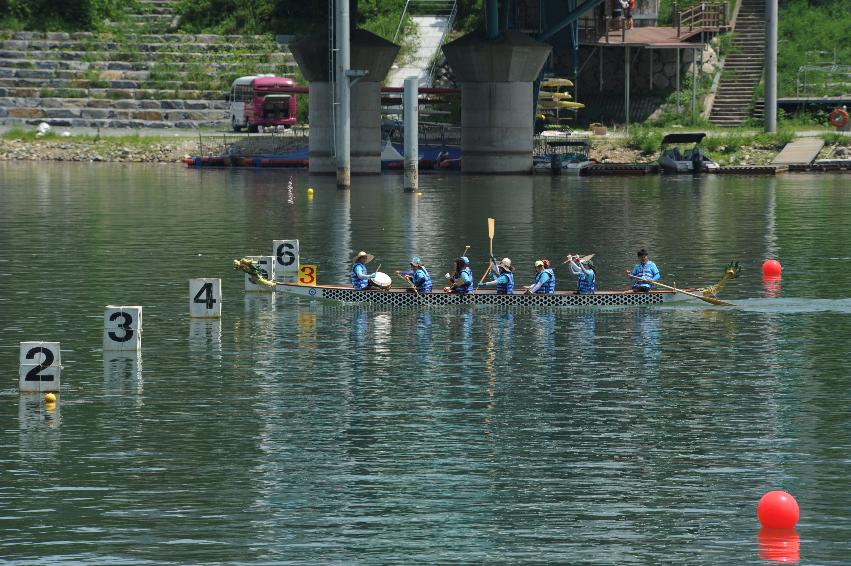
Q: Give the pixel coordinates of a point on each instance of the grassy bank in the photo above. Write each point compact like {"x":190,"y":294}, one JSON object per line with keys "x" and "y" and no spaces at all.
{"x":726,"y":147}
{"x":736,"y":147}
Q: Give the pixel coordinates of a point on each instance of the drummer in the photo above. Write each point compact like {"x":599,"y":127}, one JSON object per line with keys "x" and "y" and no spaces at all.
{"x":503,"y":276}
{"x":545,"y":279}
{"x":418,"y":275}
{"x":461,"y":281}
{"x":361,"y":278}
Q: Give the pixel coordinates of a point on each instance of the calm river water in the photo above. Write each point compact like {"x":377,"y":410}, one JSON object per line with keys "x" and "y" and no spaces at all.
{"x":299,"y":432}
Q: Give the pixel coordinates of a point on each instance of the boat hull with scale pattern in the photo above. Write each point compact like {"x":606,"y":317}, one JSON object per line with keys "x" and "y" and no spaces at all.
{"x":405,"y":296}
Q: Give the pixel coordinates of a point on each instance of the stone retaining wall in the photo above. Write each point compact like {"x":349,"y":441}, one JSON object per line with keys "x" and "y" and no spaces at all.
{"x":151,"y":80}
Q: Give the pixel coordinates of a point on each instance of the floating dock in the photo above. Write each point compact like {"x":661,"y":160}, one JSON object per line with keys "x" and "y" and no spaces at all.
{"x":620,"y":169}
{"x":751,"y":170}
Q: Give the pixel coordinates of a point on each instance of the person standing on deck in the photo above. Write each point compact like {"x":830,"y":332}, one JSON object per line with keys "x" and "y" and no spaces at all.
{"x":462,"y":280}
{"x":361,"y":278}
{"x":545,"y":279}
{"x":418,"y":275}
{"x":503,"y":276}
{"x":646,"y":269}
{"x":586,"y":273}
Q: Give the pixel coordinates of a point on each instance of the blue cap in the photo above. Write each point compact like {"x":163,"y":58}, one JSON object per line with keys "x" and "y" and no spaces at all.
{"x":465,"y":259}
{"x":416,"y":260}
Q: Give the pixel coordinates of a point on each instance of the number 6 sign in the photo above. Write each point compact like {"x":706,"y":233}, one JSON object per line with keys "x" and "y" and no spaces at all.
{"x":307,"y":275}
{"x":286,"y":259}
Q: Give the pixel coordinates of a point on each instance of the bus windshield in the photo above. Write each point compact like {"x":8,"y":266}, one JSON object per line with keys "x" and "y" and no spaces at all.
{"x":262,"y":101}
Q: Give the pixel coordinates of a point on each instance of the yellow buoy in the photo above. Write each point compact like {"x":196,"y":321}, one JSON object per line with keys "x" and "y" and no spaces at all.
{"x":309,"y":192}
{"x":49,"y":398}
{"x":419,"y":194}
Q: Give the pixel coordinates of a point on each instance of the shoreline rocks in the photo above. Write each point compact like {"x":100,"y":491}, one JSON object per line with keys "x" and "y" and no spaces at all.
{"x":117,"y":151}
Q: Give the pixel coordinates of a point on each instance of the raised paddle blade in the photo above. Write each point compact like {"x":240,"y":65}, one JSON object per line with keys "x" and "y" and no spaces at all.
{"x":490,"y":228}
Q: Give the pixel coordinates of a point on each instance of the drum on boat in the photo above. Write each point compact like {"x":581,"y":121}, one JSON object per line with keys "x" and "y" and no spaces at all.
{"x":382,"y":280}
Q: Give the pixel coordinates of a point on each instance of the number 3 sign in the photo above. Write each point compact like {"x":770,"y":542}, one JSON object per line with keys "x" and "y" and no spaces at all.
{"x":307,"y":275}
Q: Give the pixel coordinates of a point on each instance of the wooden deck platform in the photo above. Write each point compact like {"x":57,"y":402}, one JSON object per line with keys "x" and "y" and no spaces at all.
{"x":655,"y":37}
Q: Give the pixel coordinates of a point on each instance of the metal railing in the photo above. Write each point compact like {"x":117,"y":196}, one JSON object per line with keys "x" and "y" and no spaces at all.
{"x":701,"y":16}
{"x":426,"y":8}
{"x":436,"y":59}
{"x":232,"y":144}
{"x":427,"y":134}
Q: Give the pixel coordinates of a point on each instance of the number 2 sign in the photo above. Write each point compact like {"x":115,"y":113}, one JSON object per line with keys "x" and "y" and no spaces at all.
{"x":40,"y":365}
{"x":307,"y":275}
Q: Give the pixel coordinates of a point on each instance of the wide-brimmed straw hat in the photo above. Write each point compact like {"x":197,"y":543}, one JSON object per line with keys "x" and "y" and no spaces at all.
{"x":539,"y":263}
{"x":369,"y":257}
{"x":506,"y":263}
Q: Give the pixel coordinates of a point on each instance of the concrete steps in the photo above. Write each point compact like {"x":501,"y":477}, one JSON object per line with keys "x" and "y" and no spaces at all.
{"x":136,"y":80}
{"x":743,"y":67}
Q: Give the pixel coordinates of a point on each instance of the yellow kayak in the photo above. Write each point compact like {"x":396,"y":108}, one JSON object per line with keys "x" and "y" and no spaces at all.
{"x":561,"y":104}
{"x":556,"y":82}
{"x":546,"y":95}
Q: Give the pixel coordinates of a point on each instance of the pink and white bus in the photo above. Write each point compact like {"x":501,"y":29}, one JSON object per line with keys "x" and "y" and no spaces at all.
{"x":262,"y":100}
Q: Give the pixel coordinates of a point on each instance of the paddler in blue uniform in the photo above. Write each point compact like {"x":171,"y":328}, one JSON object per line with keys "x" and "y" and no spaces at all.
{"x":503,"y":276}
{"x":545,"y":279}
{"x":462,"y":280}
{"x":418,"y":275}
{"x":361,"y":278}
{"x":586,"y":274}
{"x":646,"y":269}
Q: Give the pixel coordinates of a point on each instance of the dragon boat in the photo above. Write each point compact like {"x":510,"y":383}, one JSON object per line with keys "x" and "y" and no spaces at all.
{"x":407,"y":297}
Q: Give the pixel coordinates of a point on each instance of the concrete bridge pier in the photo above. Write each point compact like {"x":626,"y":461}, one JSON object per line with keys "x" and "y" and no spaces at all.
{"x":497,"y":105}
{"x":370,"y":53}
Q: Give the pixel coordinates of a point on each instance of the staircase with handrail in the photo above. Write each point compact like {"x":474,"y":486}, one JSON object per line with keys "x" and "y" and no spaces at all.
{"x":432,"y":20}
{"x":743,"y":68}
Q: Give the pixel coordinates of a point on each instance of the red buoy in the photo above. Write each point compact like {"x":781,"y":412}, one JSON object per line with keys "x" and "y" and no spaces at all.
{"x":778,"y":510}
{"x":771,"y":268}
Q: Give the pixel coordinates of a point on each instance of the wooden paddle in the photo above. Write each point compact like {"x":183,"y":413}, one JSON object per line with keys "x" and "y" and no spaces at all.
{"x":411,"y":283}
{"x":583,"y":258}
{"x":710,"y":300}
{"x":490,"y":236}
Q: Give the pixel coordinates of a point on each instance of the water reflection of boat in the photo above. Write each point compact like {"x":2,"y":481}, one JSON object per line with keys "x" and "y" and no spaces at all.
{"x":404,"y":296}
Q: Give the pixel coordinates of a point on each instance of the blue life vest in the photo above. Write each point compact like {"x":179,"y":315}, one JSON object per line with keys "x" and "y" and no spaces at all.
{"x":422,"y":280}
{"x":507,"y":287}
{"x":549,"y":286}
{"x":467,"y":286}
{"x":587,"y":283}
{"x":644,"y":270}
{"x":357,"y":282}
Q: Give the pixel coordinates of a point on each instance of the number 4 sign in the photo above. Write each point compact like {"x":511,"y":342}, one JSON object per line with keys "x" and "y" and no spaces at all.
{"x":205,"y":298}
{"x":307,"y":275}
